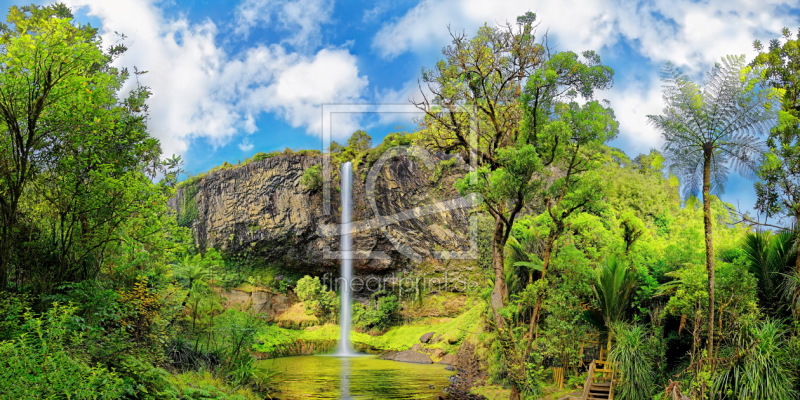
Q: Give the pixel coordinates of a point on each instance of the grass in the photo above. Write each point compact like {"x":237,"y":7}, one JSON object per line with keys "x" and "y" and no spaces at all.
{"x":204,"y":385}
{"x":296,"y":316}
{"x":436,"y":305}
{"x":491,"y":392}
{"x":452,"y":331}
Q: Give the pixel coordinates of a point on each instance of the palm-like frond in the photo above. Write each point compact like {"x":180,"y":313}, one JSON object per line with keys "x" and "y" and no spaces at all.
{"x":521,"y":261}
{"x":768,"y":258}
{"x":762,"y":369}
{"x":728,"y":115}
{"x":634,"y":354}
{"x":614,"y":289}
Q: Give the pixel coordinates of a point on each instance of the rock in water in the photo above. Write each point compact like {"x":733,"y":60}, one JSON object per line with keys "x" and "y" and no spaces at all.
{"x":409,"y":356}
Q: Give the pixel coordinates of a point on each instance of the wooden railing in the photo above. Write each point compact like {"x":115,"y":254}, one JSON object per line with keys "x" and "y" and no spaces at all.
{"x":589,"y":379}
{"x":608,"y":372}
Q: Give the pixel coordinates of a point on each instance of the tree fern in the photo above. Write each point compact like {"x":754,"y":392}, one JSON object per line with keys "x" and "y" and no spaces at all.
{"x":710,"y":130}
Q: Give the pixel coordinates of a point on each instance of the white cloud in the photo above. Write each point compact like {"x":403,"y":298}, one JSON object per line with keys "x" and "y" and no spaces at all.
{"x":199,"y":90}
{"x":295,"y":86}
{"x":683,"y":31}
{"x":425,"y":27}
{"x":693,"y":35}
{"x":632,"y":104}
{"x":245,"y":145}
{"x":301,"y":18}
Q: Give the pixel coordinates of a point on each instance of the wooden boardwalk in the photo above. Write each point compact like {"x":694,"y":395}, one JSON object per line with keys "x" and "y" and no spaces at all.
{"x":600,"y":382}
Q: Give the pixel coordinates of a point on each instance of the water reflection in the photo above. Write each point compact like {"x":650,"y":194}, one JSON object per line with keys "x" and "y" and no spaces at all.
{"x":357,"y":378}
{"x":344,"y":379}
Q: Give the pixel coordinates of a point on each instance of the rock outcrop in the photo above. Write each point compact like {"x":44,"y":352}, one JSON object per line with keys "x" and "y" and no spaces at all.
{"x":264,"y":302}
{"x":409,"y":356}
{"x":263,"y":209}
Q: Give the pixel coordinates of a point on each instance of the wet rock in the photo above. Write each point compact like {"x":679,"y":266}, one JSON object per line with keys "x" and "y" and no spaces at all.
{"x":448,"y":359}
{"x":258,"y":300}
{"x":409,"y":356}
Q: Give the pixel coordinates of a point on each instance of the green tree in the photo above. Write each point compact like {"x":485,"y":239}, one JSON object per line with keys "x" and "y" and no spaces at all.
{"x":72,"y":155}
{"x":709,"y":130}
{"x":779,"y":189}
{"x":359,"y":141}
{"x":505,"y":104}
{"x":319,"y":302}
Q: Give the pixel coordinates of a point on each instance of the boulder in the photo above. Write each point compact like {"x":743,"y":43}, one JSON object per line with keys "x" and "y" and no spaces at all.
{"x":436,"y":353}
{"x":409,"y":356}
{"x":426,"y":338}
{"x":449,"y":359}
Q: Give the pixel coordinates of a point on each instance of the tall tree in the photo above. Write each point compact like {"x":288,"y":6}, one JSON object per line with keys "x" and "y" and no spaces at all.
{"x":779,"y":189}
{"x":503,"y":102}
{"x":710,"y":129}
{"x":70,"y":147}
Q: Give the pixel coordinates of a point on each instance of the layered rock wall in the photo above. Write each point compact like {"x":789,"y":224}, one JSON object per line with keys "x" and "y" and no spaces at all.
{"x":263,"y":209}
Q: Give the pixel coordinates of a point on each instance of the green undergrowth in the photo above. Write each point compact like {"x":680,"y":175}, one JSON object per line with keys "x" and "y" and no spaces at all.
{"x":204,"y":385}
{"x":452,"y":331}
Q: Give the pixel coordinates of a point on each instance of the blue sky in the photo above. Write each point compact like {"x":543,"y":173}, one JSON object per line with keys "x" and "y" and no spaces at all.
{"x":233,"y":78}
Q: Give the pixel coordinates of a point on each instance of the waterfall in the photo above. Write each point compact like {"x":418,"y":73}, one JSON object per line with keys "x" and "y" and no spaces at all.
{"x":346,"y":306}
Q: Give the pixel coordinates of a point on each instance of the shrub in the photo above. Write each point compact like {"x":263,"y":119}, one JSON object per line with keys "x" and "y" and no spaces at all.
{"x":12,"y":309}
{"x":378,"y":315}
{"x":233,"y":337}
{"x":39,"y":363}
{"x":319,"y":302}
{"x":635,"y":357}
{"x":762,"y":367}
{"x":312,"y":178}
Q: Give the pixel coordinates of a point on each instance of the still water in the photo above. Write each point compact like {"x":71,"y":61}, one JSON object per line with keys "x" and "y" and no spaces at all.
{"x":362,"y":378}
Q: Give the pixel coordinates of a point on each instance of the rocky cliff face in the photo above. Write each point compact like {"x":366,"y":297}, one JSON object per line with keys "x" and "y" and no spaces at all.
{"x":263,"y":209}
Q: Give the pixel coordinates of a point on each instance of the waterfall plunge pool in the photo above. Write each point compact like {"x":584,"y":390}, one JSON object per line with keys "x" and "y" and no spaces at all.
{"x":362,"y":377}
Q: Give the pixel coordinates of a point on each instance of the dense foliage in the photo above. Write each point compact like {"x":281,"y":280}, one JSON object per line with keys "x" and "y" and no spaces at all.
{"x":584,"y":251}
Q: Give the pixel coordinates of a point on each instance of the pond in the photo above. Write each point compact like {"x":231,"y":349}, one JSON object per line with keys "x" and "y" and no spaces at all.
{"x":362,"y":377}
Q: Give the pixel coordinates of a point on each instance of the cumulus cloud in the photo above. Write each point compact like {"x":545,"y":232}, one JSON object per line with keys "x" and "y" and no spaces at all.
{"x":632,"y":104}
{"x":693,"y":35}
{"x":202,"y":91}
{"x":245,"y":145}
{"x":301,"y":19}
{"x":425,"y":27}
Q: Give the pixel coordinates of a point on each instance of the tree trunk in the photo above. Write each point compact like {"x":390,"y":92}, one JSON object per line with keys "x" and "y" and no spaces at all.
{"x":500,"y":291}
{"x":514,"y":363}
{"x":6,"y":237}
{"x":515,"y":393}
{"x":707,"y":154}
{"x":534,"y":322}
{"x":5,"y":252}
